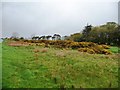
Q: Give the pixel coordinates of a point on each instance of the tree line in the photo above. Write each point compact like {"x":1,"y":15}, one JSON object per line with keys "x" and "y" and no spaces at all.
{"x":108,"y":33}
{"x":48,"y":37}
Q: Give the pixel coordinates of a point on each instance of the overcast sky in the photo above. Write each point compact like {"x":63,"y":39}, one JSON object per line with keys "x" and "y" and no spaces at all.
{"x":49,"y":17}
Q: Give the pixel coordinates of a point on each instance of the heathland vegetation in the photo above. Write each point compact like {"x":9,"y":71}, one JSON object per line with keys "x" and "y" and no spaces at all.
{"x":83,"y":60}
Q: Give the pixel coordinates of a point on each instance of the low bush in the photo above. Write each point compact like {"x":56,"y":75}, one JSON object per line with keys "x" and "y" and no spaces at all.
{"x":106,"y":52}
{"x":88,"y":47}
{"x":88,"y":50}
{"x":94,"y":50}
{"x":105,"y":46}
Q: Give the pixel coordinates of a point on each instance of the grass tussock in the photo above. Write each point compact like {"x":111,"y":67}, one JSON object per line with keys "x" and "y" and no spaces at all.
{"x":44,"y":50}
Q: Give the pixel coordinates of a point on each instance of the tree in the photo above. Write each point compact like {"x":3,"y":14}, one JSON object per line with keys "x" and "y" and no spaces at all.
{"x":87,"y":29}
{"x":39,"y":38}
{"x":22,"y":38}
{"x":86,"y":32}
{"x":66,"y":38}
{"x":108,"y":33}
{"x":57,"y":36}
{"x":53,"y":38}
{"x":48,"y":37}
{"x":43,"y":37}
{"x":35,"y":38}
{"x":75,"y":37}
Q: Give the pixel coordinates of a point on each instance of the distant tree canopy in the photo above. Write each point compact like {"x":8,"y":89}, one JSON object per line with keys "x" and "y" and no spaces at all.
{"x":57,"y":36}
{"x":104,"y":34}
{"x":74,"y":37}
{"x":54,"y":37}
{"x":108,"y":33}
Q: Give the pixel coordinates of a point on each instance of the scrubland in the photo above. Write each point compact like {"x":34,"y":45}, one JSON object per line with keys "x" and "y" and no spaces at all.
{"x":35,"y":65}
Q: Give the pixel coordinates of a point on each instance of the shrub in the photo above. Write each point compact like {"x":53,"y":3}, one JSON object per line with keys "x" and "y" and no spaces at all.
{"x":42,"y":44}
{"x":74,"y":45}
{"x":16,"y":39}
{"x":88,"y":47}
{"x":106,"y":52}
{"x":95,"y":50}
{"x":105,"y":46}
{"x":88,"y":50}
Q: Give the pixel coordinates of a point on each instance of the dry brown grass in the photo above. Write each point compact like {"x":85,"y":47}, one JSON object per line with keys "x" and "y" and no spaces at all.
{"x":17,"y":43}
{"x":60,"y":54}
{"x":36,"y":50}
{"x":44,"y":50}
{"x":113,"y":56}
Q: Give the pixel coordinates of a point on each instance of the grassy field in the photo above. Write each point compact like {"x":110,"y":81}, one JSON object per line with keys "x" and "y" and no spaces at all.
{"x":114,"y":49}
{"x":39,"y":67}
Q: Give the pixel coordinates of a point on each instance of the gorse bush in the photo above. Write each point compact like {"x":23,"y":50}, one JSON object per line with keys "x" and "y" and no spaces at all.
{"x":105,"y":46}
{"x":104,"y":51}
{"x":88,"y":50}
{"x":88,"y":47}
{"x":95,"y":51}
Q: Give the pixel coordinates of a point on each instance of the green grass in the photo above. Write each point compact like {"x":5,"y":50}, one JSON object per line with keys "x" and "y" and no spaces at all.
{"x":114,"y":49}
{"x":57,"y":68}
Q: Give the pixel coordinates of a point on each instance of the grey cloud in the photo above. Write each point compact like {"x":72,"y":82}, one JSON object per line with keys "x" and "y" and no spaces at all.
{"x":42,"y":18}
